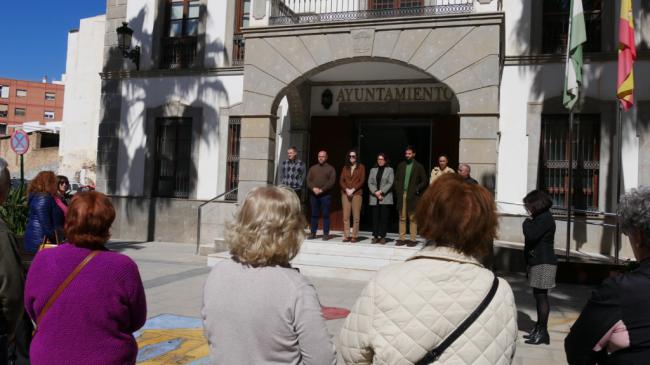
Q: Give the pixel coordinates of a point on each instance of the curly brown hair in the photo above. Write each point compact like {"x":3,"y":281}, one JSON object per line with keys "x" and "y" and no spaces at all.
{"x":44,"y":182}
{"x":455,"y":214}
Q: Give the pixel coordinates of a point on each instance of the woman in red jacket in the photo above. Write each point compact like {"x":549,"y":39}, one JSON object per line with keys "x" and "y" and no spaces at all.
{"x":352,"y":179}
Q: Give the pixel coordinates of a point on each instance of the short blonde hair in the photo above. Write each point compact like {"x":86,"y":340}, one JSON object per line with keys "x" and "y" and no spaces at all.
{"x":268,"y":228}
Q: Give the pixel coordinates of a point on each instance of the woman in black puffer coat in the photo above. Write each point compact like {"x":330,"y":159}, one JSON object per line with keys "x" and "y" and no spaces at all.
{"x":539,"y":253}
{"x":45,"y":217}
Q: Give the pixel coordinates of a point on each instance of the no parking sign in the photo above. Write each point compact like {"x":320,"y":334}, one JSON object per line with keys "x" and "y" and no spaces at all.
{"x":20,"y":142}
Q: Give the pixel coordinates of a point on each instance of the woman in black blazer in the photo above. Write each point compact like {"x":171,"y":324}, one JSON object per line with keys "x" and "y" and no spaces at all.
{"x":539,"y":253}
{"x":614,"y":326}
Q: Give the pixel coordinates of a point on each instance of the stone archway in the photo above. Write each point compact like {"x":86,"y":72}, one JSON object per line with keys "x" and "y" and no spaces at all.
{"x":464,"y":52}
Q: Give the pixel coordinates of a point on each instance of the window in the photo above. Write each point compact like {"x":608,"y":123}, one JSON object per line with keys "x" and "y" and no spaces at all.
{"x":21,"y":93}
{"x":48,"y":115}
{"x":232,"y":159}
{"x":585,"y":144}
{"x":3,"y":129}
{"x":4,"y":91}
{"x":49,"y":140}
{"x":395,"y":4}
{"x":4,"y":110}
{"x":173,"y":157}
{"x":50,"y":96}
{"x":19,"y":112}
{"x":555,"y":25}
{"x":181,"y":30}
{"x":242,"y":20}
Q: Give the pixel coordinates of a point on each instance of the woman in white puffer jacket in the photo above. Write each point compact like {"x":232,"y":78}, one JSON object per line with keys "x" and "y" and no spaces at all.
{"x":410,"y":308}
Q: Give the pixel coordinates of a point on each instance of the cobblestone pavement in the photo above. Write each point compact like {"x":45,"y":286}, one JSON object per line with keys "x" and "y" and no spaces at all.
{"x":173,"y":278}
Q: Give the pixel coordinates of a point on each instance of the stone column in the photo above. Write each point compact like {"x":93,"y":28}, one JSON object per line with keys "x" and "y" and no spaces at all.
{"x":256,"y":153}
{"x":643,"y":131}
{"x":478,"y":147}
{"x":533,"y":132}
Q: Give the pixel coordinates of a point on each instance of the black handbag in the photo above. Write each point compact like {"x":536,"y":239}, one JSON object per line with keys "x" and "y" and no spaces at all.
{"x":434,"y":355}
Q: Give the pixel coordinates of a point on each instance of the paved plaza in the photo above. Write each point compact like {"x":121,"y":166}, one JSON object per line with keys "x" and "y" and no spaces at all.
{"x":173,"y":278}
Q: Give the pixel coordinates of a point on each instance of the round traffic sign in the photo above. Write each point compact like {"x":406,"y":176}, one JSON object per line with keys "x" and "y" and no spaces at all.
{"x":20,"y":142}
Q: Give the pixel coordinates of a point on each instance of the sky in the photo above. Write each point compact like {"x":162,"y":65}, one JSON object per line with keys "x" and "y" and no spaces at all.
{"x":35,"y":35}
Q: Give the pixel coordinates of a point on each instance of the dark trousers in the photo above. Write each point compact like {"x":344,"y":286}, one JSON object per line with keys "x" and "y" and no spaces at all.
{"x":380,"y":215}
{"x":19,"y":350}
{"x":320,"y":205}
{"x":4,"y":350}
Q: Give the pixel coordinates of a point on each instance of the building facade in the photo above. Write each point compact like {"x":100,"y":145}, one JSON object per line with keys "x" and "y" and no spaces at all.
{"x":28,"y":101}
{"x":225,"y":87}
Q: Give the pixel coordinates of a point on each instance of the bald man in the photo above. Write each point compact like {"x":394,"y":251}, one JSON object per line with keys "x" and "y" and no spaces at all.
{"x":465,"y":171}
{"x":320,"y":181}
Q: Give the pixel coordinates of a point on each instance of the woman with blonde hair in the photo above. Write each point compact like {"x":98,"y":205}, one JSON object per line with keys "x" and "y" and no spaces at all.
{"x":441,"y":304}
{"x":45,"y":219}
{"x":256,"y":308}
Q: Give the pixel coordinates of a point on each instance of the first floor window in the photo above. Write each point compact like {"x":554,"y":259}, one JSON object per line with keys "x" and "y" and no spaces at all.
{"x":173,"y":157}
{"x":4,"y":110}
{"x":554,"y":160}
{"x":232,"y":164}
{"x":19,"y":112}
{"x":48,"y":115}
{"x":50,"y":96}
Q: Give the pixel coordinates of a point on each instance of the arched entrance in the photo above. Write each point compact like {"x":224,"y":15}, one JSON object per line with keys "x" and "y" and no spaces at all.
{"x":449,"y":72}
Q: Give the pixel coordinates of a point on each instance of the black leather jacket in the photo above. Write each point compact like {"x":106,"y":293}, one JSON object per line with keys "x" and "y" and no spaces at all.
{"x":539,"y":234}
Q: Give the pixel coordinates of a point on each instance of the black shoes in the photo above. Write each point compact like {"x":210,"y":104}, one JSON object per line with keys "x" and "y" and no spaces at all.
{"x":327,"y":237}
{"x":539,"y":337}
{"x":532,"y":333}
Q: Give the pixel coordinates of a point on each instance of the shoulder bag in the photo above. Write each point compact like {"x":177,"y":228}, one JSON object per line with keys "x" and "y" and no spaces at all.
{"x":435,"y":354}
{"x":62,"y":287}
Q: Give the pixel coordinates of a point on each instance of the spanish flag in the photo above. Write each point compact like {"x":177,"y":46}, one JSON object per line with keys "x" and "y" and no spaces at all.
{"x":626,"y":56}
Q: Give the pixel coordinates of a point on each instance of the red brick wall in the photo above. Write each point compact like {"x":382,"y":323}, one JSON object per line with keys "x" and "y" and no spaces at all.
{"x":34,"y":104}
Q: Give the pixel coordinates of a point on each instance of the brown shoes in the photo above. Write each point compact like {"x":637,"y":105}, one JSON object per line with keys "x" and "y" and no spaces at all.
{"x":346,"y":239}
{"x":411,"y":243}
{"x":354,"y":240}
{"x":382,"y":241}
{"x":374,"y":240}
{"x":400,"y":242}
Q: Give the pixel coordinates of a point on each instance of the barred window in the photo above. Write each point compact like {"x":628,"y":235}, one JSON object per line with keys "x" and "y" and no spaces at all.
{"x":232,"y":164}
{"x":179,"y":44}
{"x":585,"y":144}
{"x":555,"y":25}
{"x":173,"y":157}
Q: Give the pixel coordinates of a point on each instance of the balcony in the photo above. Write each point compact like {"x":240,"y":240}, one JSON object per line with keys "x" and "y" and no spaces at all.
{"x":178,"y":53}
{"x":238,"y":50}
{"x":287,"y":12}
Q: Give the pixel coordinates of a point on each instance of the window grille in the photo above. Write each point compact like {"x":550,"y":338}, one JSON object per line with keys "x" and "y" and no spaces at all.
{"x":232,"y":162}
{"x":554,"y":148}
{"x":173,"y":157}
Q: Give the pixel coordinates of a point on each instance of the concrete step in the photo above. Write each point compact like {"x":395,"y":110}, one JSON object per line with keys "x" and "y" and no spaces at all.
{"x":343,"y":260}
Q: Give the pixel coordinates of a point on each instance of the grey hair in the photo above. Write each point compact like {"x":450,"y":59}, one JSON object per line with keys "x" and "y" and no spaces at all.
{"x":5,"y":178}
{"x":469,"y":168}
{"x":634,"y":212}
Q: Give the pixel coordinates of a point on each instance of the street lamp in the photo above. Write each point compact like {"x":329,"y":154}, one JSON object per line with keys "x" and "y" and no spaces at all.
{"x":124,"y":37}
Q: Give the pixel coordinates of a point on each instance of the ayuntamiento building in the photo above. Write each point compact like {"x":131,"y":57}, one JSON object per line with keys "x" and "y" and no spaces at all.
{"x":225,"y":87}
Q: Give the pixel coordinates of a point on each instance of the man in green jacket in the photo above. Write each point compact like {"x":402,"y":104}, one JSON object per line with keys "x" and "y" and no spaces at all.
{"x":12,"y":278}
{"x":410,"y":182}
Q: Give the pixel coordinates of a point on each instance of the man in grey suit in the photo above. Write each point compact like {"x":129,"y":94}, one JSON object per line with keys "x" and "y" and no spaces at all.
{"x":380,"y":184}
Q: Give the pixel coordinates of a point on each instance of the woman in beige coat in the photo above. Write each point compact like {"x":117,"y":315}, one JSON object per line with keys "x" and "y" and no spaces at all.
{"x":409,"y":308}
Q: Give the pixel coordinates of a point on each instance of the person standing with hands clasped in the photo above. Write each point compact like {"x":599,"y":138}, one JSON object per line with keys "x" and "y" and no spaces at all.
{"x":410,"y":182}
{"x":320,"y":181}
{"x":539,"y":235}
{"x":380,"y":184}
{"x":353,"y":176}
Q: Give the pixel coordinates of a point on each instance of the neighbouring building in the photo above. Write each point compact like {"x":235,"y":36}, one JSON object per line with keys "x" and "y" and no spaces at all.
{"x":78,"y":146}
{"x":42,"y":154}
{"x":224,"y":87}
{"x":29,"y":101}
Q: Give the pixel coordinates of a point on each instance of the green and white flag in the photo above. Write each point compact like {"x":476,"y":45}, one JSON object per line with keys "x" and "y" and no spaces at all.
{"x":577,"y":37}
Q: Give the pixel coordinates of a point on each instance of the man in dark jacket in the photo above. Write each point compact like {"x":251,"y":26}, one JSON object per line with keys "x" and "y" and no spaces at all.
{"x":11,"y":276}
{"x":320,"y":181}
{"x":410,"y":182}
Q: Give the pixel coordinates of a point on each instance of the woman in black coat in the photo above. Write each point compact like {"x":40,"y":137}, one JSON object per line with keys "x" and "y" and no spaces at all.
{"x":539,"y":253}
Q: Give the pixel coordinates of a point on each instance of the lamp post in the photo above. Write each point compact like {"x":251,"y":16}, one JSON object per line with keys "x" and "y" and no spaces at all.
{"x":124,"y":38}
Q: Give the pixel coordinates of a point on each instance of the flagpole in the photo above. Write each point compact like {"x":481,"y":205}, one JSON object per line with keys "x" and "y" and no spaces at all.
{"x":569,"y":188}
{"x":619,"y":169}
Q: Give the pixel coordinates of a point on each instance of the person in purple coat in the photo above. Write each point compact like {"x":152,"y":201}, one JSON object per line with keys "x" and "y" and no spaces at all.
{"x":93,"y":319}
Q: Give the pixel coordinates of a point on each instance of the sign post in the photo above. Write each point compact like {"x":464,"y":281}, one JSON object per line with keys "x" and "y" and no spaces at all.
{"x":20,"y":145}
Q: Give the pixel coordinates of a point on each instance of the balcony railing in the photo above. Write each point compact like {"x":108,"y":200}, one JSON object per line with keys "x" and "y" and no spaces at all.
{"x":316,"y":11}
{"x":238,"y":50}
{"x":178,"y":53}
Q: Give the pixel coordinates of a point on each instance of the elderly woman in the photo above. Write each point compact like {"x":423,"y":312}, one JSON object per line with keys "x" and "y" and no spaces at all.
{"x":85,"y":300}
{"x":412,"y":312}
{"x":614,"y":326}
{"x":256,"y":308}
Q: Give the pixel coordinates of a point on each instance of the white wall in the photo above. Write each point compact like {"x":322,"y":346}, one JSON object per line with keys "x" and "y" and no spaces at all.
{"x":209,"y":92}
{"x":81,"y":107}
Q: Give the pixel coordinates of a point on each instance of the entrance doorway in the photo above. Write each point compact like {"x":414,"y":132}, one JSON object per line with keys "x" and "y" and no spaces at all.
{"x":430,"y":136}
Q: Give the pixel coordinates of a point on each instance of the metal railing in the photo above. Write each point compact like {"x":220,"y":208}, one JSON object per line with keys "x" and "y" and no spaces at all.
{"x":238,"y":50}
{"x":316,"y":11}
{"x":178,"y":52}
{"x":198,"y":223}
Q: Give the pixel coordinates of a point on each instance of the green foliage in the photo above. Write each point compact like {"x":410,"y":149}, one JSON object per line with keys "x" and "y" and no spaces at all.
{"x":15,"y":211}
